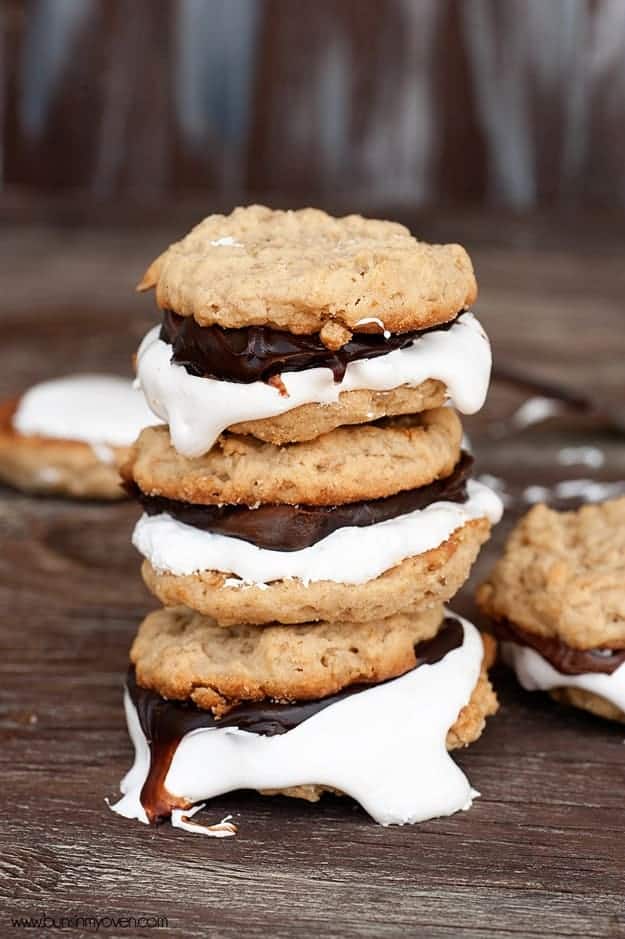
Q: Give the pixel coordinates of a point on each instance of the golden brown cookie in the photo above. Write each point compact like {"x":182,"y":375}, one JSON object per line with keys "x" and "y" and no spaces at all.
{"x":184,"y":655}
{"x":346,"y":465}
{"x":353,"y":407}
{"x":299,"y":270}
{"x":562,"y":576}
{"x":483,"y":703}
{"x":587,"y":701}
{"x":50,"y":466}
{"x":417,"y":583}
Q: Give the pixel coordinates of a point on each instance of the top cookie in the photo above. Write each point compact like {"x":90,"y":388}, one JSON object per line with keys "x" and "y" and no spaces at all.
{"x":297,"y":270}
{"x":563,"y":575}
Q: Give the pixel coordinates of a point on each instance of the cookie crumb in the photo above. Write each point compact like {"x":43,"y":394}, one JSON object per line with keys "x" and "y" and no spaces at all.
{"x":276,"y":382}
{"x":334,"y":336}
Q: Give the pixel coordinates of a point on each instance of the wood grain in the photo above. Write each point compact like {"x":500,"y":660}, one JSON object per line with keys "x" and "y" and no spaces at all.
{"x":542,"y":851}
{"x":428,"y":101}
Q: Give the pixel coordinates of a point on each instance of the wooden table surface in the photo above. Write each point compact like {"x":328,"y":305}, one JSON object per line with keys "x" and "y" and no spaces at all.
{"x":541,"y":853}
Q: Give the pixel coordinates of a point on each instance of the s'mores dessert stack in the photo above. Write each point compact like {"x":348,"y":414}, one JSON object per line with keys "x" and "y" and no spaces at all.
{"x":308,"y":511}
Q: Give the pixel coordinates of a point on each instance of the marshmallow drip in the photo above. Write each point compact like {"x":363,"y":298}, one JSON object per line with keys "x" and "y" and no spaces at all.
{"x":198,"y":409}
{"x":384,"y":746}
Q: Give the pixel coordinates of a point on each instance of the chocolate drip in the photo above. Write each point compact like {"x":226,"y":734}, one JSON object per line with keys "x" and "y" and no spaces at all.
{"x":256,"y":353}
{"x":165,"y":722}
{"x":564,"y":658}
{"x":293,"y":527}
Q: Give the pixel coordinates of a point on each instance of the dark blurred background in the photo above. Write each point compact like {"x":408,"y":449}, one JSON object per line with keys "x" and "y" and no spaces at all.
{"x":513,"y":103}
{"x":496,"y":123}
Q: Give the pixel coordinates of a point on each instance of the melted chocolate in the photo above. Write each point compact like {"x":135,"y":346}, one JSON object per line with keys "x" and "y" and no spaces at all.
{"x":165,"y":722}
{"x":293,"y":527}
{"x":256,"y":353}
{"x":564,"y":658}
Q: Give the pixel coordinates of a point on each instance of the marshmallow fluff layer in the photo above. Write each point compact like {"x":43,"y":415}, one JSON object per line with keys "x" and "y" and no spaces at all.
{"x":99,"y":410}
{"x":384,"y":746}
{"x":350,"y":555}
{"x":537,"y":674}
{"x":198,"y":409}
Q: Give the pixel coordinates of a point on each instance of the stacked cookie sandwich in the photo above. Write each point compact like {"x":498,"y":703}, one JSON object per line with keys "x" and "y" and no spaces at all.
{"x":307,"y":512}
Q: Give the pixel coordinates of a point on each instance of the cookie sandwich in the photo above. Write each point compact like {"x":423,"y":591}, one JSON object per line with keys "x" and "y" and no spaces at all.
{"x":555,"y":600}
{"x":68,"y":436}
{"x":359,"y":523}
{"x":286,"y":325}
{"x":364,"y":709}
{"x":308,"y":510}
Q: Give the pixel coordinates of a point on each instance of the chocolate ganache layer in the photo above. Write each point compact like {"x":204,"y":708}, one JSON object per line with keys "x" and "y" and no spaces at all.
{"x":165,"y":722}
{"x":564,"y":658}
{"x":257,"y":353}
{"x":293,"y":527}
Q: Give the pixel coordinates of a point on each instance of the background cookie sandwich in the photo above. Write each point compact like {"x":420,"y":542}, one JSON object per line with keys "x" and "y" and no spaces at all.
{"x":556,"y":599}
{"x":68,"y":436}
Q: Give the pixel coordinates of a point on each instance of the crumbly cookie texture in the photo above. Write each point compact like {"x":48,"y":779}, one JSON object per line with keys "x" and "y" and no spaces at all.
{"x":309,"y":421}
{"x":483,"y":703}
{"x":49,"y":466}
{"x":298,"y":270}
{"x":467,"y":728}
{"x":417,"y":583}
{"x":366,"y":461}
{"x":181,"y":654}
{"x":563,"y":575}
{"x":587,"y":701}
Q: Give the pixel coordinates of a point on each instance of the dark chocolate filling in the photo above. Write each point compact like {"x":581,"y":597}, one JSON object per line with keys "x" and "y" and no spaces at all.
{"x":165,"y":722}
{"x":256,"y":353}
{"x":293,"y":527}
{"x":564,"y":658}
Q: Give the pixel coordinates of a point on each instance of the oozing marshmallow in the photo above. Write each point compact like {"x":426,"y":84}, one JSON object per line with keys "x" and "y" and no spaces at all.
{"x":101,"y":410}
{"x":198,"y":409}
{"x":349,"y":555}
{"x":384,"y":746}
{"x":537,"y":674}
